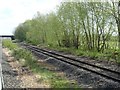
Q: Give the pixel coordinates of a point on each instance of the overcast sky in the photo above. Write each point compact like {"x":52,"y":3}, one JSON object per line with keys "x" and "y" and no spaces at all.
{"x":13,"y":12}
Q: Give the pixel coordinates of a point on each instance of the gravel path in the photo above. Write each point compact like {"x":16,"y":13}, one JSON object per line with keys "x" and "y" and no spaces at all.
{"x":17,"y":76}
{"x":0,"y":63}
{"x":9,"y":75}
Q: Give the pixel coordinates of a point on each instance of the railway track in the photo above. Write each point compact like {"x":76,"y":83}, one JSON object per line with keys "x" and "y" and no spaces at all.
{"x":104,"y":72}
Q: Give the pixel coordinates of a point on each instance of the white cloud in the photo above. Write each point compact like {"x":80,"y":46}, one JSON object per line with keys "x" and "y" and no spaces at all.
{"x":13,"y":12}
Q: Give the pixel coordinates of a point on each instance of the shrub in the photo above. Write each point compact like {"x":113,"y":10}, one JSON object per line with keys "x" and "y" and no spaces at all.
{"x":8,"y":44}
{"x":24,"y":54}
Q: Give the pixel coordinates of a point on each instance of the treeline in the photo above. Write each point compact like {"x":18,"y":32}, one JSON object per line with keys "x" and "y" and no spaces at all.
{"x":85,"y":25}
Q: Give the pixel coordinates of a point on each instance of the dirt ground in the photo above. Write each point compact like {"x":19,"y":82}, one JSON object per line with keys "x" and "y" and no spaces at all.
{"x":25,"y":75}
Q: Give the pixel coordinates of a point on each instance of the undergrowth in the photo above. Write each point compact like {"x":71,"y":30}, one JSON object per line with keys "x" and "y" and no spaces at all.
{"x":110,"y":55}
{"x":8,"y":44}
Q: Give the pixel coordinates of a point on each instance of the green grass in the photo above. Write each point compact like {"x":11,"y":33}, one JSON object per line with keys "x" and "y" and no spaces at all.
{"x":108,"y":54}
{"x":113,"y":44}
{"x":8,"y":44}
{"x":55,"y":80}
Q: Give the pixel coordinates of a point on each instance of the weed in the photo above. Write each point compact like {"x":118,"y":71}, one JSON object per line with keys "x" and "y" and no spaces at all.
{"x":8,"y":44}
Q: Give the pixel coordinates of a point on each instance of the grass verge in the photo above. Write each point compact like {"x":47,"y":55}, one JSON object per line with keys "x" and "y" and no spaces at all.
{"x":110,"y":55}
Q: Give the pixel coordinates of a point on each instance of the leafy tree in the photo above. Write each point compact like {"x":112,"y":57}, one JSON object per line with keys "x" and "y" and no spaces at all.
{"x":82,"y":25}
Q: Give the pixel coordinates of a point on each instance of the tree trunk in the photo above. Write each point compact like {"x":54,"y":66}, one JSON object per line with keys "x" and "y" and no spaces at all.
{"x":118,"y":22}
{"x":119,"y":34}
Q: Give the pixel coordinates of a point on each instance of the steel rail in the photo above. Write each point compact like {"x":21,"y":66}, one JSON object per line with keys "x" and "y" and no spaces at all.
{"x":116,"y":72}
{"x":71,"y":63}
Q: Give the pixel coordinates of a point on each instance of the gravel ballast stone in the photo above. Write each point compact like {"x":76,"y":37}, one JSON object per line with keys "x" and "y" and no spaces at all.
{"x":9,"y":75}
{"x":85,"y":78}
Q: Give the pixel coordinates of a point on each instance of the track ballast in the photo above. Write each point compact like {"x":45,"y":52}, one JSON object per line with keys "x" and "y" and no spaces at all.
{"x":104,"y":72}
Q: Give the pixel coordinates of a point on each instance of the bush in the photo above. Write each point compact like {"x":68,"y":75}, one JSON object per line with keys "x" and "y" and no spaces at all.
{"x":24,"y":54}
{"x":20,"y":53}
{"x":9,"y":44}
